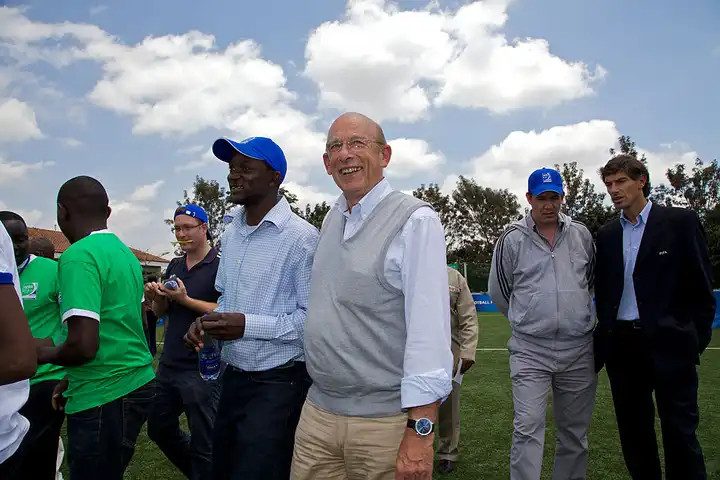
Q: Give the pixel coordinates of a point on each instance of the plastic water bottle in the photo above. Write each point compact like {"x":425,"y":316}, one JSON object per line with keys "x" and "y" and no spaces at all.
{"x":209,"y":359}
{"x":171,"y":283}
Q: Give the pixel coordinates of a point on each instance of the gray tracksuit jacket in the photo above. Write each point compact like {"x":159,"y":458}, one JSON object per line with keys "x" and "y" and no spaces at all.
{"x":546,"y":293}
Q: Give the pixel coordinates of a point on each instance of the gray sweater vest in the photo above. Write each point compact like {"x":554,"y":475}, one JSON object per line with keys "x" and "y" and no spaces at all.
{"x":355,"y":327}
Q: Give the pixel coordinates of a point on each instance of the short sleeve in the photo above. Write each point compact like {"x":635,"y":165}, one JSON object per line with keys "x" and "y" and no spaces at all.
{"x":80,"y":287}
{"x":7,"y":259}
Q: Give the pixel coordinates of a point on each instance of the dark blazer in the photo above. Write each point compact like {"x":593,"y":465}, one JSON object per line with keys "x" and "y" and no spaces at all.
{"x":673,"y":286}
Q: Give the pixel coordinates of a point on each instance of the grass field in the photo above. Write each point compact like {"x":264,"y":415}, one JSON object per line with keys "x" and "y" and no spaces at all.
{"x":487,"y":420}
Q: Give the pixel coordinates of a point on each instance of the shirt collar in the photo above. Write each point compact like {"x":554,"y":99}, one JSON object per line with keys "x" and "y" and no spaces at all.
{"x":642,"y":216}
{"x":279,"y":215}
{"x":210,"y":256}
{"x":104,"y":230}
{"x":368,"y":203}
{"x":25,"y":263}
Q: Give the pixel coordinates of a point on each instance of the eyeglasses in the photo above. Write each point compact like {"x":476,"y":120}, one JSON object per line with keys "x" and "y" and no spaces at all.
{"x":354,"y":145}
{"x":186,"y":229}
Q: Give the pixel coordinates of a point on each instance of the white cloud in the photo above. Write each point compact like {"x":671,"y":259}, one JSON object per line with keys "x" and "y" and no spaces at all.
{"x":17,"y":121}
{"x":192,"y":149}
{"x":71,"y":142}
{"x":394,"y":64}
{"x":32,"y":217}
{"x":146,"y":192}
{"x":412,"y":155}
{"x":309,"y":194}
{"x":509,"y":163}
{"x":206,"y":159}
{"x":176,"y":84}
{"x":11,"y":170}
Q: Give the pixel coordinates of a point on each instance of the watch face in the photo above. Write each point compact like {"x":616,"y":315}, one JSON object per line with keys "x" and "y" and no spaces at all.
{"x":423,"y":426}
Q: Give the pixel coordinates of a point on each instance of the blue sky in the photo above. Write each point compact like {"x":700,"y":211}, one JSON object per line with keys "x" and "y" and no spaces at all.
{"x":134,"y":93}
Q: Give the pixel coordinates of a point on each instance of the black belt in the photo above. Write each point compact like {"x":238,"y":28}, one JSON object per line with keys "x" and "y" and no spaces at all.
{"x":284,"y":366}
{"x":624,"y":325}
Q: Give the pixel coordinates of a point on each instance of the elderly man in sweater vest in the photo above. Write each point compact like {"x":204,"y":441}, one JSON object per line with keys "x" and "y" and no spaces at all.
{"x":377,"y":334}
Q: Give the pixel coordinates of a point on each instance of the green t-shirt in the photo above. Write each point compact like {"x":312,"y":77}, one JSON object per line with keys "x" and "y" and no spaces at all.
{"x":39,"y":288}
{"x":100,"y":278}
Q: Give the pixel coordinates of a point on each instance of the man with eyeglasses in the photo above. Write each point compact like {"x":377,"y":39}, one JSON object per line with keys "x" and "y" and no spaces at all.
{"x":179,"y":385}
{"x":377,"y":335}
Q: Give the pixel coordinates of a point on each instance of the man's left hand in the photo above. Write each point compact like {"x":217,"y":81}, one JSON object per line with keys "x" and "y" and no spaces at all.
{"x":415,"y":457}
{"x":466,"y":364}
{"x":224,"y":326}
{"x":178,"y":295}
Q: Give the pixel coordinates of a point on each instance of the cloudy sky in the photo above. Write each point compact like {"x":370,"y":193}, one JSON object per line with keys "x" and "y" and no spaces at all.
{"x":134,"y":92}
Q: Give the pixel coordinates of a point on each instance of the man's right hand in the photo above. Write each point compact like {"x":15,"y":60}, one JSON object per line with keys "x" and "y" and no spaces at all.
{"x":58,"y":401}
{"x":194,"y":336}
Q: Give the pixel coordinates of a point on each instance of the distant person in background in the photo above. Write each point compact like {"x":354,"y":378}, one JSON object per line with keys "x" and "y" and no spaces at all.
{"x":39,"y":286}
{"x":655,"y":308}
{"x":110,"y":385}
{"x":17,"y":355}
{"x":541,"y":279}
{"x":42,"y":247}
{"x":179,"y":385}
{"x":464,"y":334}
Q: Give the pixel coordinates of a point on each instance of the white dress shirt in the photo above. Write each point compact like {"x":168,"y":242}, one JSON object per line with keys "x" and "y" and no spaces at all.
{"x":416,"y":263}
{"x":13,"y":396}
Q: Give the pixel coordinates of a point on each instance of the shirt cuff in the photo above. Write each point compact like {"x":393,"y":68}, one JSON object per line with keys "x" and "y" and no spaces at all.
{"x":6,"y":278}
{"x":256,"y":327}
{"x":418,"y":390}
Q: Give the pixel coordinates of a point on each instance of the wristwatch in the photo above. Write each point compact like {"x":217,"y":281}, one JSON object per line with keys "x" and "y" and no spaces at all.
{"x":421,"y":426}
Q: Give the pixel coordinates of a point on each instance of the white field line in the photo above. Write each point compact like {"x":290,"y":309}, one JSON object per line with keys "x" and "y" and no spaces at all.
{"x":505,"y":349}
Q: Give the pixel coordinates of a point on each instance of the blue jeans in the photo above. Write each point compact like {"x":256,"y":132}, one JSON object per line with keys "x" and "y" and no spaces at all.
{"x":101,"y":440}
{"x":255,"y":426}
{"x":179,"y":391}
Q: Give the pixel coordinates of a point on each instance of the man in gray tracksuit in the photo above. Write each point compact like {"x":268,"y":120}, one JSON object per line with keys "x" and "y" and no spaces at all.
{"x":541,"y":279}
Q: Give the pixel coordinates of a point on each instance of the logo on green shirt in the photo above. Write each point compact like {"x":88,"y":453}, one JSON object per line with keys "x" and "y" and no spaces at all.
{"x":29,"y":291}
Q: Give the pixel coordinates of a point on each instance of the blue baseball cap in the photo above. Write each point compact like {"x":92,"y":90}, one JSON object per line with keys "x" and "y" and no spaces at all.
{"x":259,"y":148}
{"x":545,"y":180}
{"x":192,"y":210}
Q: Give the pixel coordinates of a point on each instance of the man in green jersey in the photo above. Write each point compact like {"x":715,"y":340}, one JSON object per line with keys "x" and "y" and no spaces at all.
{"x":37,"y":455}
{"x":110,"y":376}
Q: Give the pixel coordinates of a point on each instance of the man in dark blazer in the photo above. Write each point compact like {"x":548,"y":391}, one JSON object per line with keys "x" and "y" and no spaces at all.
{"x":655,"y":308}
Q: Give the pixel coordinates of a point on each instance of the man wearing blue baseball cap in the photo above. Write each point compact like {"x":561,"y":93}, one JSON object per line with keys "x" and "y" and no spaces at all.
{"x":179,"y":385}
{"x":541,"y":278}
{"x":264,"y":285}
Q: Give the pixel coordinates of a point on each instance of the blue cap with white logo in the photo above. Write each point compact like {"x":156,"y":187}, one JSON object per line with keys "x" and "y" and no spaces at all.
{"x":545,"y":180}
{"x":192,"y":210}
{"x":259,"y":148}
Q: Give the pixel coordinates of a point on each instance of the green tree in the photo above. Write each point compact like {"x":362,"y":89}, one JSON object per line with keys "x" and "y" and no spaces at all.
{"x":442,"y":205}
{"x":480,"y":216}
{"x":627,"y":146}
{"x":292,"y":199}
{"x":582,"y":203}
{"x":214,"y":199}
{"x":316,"y":214}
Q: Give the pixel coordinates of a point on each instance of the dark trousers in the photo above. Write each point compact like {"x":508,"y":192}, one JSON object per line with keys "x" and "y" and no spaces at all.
{"x":36,"y":457}
{"x":101,"y":440}
{"x":256,"y":421}
{"x":634,"y":375}
{"x":178,"y":391}
{"x":150,"y":333}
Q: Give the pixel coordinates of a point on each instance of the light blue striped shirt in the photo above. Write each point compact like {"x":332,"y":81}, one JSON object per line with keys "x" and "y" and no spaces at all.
{"x":264,"y":273}
{"x":632,"y":237}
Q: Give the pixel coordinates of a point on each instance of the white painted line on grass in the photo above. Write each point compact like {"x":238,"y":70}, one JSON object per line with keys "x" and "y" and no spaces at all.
{"x":505,"y":349}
